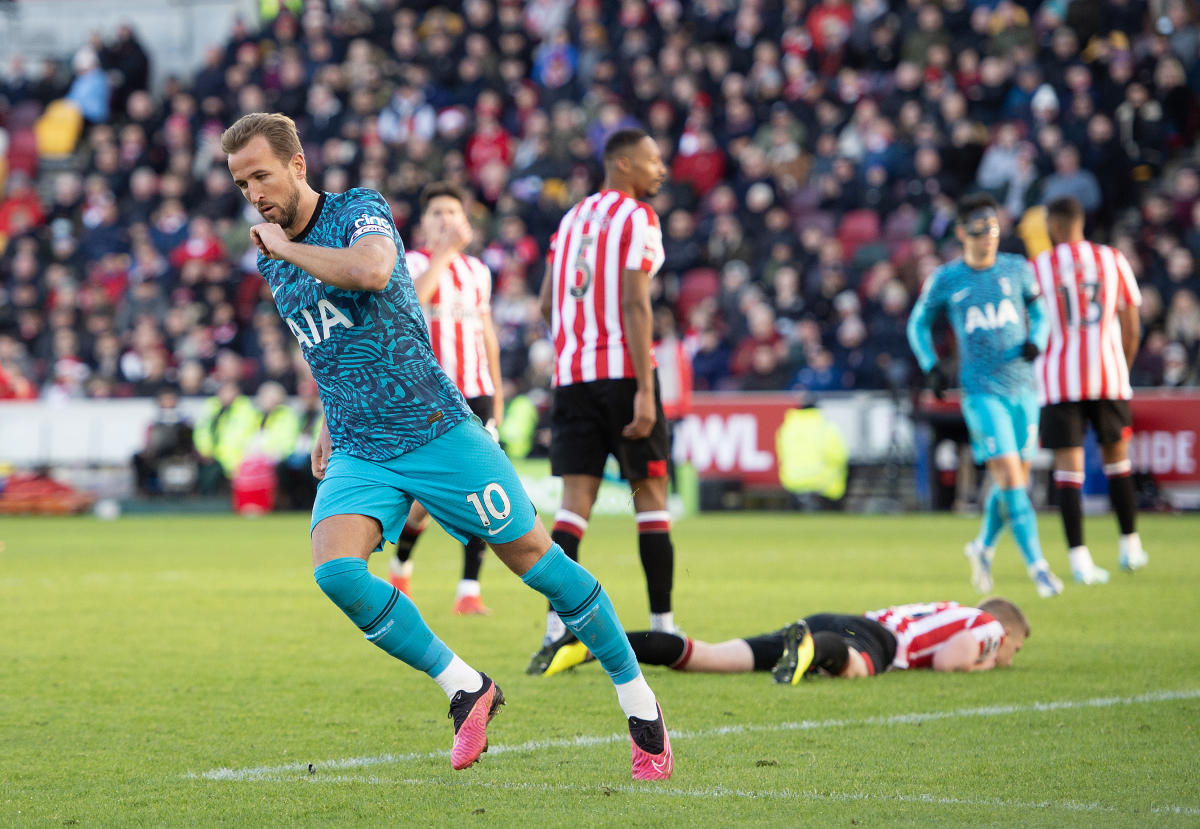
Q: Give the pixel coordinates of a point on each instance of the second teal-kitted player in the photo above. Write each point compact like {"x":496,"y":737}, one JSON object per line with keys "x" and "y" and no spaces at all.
{"x":995,"y":308}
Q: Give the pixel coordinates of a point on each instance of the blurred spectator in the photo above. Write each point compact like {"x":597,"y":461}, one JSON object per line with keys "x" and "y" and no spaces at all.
{"x":1069,"y":180}
{"x":90,"y":91}
{"x":276,"y":426}
{"x":297,"y":486}
{"x":225,"y":423}
{"x":166,"y":463}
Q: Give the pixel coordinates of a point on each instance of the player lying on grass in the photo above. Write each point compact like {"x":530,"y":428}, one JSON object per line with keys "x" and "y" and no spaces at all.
{"x":942,"y":636}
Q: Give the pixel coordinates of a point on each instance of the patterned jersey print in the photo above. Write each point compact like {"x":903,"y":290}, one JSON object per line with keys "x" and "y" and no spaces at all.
{"x":383,"y":391}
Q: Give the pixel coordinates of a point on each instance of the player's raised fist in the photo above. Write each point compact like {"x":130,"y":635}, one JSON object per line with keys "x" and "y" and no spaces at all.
{"x":268,"y":237}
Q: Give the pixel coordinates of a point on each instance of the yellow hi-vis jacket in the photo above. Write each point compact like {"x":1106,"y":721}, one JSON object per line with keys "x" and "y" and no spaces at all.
{"x":811,"y":453}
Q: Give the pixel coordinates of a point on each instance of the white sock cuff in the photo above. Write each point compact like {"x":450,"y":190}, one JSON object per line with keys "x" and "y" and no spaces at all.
{"x":637,"y":700}
{"x":458,"y":676}
{"x":1119,"y":468}
{"x":467,"y":587}
{"x":568,"y":517}
{"x":1062,"y":476}
{"x":654,"y":521}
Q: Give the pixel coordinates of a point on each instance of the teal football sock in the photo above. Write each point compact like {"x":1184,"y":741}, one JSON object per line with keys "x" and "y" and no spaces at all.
{"x":1024,"y":523}
{"x":586,"y":609}
{"x":386,"y":616}
{"x":993,"y":519}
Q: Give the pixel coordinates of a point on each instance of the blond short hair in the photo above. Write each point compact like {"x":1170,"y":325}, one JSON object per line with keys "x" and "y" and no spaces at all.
{"x":277,"y":128}
{"x":1006,"y":613}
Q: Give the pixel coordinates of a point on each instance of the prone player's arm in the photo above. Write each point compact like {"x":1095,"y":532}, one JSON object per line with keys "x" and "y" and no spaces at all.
{"x":961,"y":653}
{"x":638,"y":322}
{"x":920,"y":328}
{"x":366,"y":265}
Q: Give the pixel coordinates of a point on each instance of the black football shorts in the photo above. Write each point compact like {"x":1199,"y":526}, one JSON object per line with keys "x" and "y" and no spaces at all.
{"x":585,"y":428}
{"x":871,"y":639}
{"x":1063,"y":424}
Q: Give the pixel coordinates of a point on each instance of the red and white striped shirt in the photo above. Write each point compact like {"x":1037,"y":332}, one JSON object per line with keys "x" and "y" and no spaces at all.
{"x":922,"y":629}
{"x":597,"y":241}
{"x":455,"y":314}
{"x":1084,"y":285}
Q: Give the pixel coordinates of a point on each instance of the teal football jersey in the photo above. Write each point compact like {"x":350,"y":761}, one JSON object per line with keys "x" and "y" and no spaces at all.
{"x":993,"y":313}
{"x":369,"y":351}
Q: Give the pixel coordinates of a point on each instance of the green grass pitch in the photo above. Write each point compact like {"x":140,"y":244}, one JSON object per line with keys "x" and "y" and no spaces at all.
{"x":186,"y":671}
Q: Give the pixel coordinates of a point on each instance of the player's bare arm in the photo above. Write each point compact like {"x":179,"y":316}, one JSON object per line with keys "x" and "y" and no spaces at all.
{"x":638,"y":320}
{"x":1131,"y":331}
{"x":961,"y":653}
{"x":364,"y":266}
{"x":319,"y":456}
{"x":546,"y":298}
{"x":491,"y":344}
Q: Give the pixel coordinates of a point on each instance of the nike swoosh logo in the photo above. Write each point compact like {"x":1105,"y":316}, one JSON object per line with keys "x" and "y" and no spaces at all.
{"x":659,"y":766}
{"x":958,"y":296}
{"x":498,"y":529}
{"x":275,"y":291}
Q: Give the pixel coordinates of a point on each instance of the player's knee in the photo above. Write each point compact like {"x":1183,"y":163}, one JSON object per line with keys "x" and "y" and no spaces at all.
{"x":856,"y":666}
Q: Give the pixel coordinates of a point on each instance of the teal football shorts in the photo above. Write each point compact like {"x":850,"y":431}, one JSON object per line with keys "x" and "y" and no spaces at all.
{"x":1001,"y":426}
{"x":462,"y":477}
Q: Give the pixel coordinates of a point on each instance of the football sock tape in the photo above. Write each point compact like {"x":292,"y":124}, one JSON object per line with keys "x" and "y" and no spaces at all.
{"x":387,"y":617}
{"x":1024,"y":523}
{"x":993,"y":519}
{"x":585,"y":608}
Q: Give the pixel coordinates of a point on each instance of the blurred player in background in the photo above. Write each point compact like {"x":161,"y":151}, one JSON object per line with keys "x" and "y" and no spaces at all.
{"x":596,"y":298}
{"x":995,"y":308}
{"x":455,"y":290}
{"x":397,"y":430}
{"x":1084,"y":377}
{"x":942,"y":636}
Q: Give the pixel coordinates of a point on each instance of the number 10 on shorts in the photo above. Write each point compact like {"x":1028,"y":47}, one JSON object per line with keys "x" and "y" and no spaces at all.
{"x":491,"y":505}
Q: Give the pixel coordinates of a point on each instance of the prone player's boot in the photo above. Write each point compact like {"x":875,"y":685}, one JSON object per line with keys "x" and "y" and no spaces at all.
{"x":471,"y":713}
{"x":545,"y":655}
{"x":798,"y":652}
{"x":568,"y":655}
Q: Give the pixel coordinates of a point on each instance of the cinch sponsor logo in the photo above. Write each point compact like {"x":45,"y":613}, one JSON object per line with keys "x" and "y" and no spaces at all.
{"x":318,"y":327}
{"x":367,"y":220}
{"x":727,"y":443}
{"x":991,"y":316}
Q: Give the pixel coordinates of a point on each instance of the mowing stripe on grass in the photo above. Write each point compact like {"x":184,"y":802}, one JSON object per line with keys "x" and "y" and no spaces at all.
{"x":283,"y":771}
{"x":765,"y":794}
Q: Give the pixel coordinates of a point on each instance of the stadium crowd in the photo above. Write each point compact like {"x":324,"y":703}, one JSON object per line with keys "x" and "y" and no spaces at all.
{"x":816,"y":150}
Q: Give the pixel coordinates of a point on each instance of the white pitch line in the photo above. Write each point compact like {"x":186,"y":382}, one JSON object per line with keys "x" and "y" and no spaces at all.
{"x":718,"y":792}
{"x":274,"y":772}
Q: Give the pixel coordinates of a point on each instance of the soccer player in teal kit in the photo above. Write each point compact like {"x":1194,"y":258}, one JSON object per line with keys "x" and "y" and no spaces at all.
{"x":996,"y":310}
{"x":398,"y":430}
